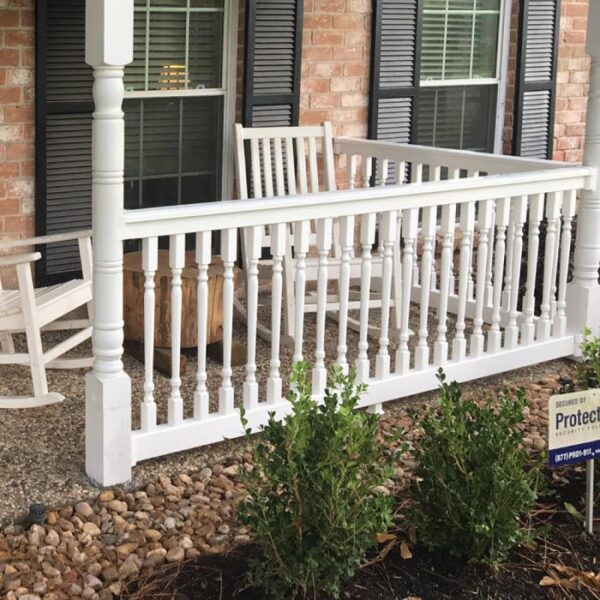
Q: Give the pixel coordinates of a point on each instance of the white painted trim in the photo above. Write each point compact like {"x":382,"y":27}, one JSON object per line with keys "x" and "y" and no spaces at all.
{"x":196,"y":93}
{"x":229,"y":103}
{"x":215,"y":428}
{"x":444,"y":83}
{"x":502,"y":66}
{"x":192,"y":218}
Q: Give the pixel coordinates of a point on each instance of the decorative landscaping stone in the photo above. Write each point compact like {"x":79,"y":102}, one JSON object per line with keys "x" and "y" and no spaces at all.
{"x":93,"y":549}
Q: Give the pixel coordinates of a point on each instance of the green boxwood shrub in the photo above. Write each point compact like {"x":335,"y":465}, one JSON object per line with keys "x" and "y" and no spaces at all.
{"x":473,"y":477}
{"x":312,"y":505}
{"x":588,"y":366}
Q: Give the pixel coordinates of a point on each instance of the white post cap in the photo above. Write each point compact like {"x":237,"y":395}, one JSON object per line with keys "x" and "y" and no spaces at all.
{"x":108,"y":32}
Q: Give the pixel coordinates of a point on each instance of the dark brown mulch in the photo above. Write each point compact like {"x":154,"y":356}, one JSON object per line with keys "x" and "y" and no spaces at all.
{"x":566,"y":554}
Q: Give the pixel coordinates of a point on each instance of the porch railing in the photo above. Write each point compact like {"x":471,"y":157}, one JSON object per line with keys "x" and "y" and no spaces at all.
{"x":483,"y":313}
{"x":478,"y":314}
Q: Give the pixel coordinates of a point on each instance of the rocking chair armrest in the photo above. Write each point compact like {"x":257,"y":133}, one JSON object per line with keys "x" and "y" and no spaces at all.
{"x":47,"y":239}
{"x":19,"y":259}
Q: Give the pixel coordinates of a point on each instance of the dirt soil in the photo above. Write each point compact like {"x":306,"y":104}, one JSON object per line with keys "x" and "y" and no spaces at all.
{"x":565,"y":559}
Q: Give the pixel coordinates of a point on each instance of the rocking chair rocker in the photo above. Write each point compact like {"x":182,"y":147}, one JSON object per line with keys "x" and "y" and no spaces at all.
{"x":33,"y":310}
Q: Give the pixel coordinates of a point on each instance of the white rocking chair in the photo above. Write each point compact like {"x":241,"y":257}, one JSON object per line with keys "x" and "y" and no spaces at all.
{"x":33,"y":310}
{"x":285,"y":161}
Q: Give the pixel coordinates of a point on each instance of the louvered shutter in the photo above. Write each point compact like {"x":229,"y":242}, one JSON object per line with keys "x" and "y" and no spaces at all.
{"x":539,"y":22}
{"x":63,"y":133}
{"x":394,"y":70}
{"x":272,"y":57}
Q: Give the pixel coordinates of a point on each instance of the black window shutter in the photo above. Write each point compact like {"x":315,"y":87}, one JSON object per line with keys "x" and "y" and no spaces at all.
{"x":533,"y":130}
{"x":394,"y":70}
{"x":272,"y":60}
{"x":64,"y":109}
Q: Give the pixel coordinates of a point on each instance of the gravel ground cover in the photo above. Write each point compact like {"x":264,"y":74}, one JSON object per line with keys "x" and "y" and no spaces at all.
{"x":177,"y":508}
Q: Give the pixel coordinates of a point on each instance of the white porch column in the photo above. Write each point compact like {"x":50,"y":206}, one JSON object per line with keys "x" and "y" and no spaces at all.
{"x":583,"y":294}
{"x":109,"y":46}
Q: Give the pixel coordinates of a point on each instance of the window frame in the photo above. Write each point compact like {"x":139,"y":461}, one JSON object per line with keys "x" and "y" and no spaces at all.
{"x":227,"y":91}
{"x":500,"y":80}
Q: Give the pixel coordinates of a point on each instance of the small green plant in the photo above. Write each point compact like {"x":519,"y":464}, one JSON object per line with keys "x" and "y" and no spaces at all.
{"x":313,"y":504}
{"x":588,"y":366}
{"x":474,"y":479}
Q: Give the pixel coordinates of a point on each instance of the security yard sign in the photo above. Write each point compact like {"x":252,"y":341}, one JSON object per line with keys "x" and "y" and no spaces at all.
{"x":574,"y":436}
{"x":574,"y":427}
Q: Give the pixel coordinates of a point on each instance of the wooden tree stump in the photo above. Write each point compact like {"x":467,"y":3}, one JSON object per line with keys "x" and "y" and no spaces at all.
{"x":133,"y":294}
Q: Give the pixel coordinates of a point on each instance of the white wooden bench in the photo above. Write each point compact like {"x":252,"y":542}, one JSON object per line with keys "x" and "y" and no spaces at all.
{"x":33,"y":310}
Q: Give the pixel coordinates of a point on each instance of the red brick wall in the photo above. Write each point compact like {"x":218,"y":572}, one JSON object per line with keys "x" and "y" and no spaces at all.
{"x":17,"y":58}
{"x":335,"y":64}
{"x":572,"y":82}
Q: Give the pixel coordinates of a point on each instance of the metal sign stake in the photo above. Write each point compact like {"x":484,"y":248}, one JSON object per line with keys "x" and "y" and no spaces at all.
{"x":589,"y":497}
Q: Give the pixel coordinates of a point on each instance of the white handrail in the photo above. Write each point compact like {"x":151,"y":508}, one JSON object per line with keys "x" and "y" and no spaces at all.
{"x":462,"y":159}
{"x":192,"y":218}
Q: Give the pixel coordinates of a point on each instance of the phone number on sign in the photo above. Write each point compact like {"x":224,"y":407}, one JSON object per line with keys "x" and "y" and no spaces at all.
{"x":573,"y":454}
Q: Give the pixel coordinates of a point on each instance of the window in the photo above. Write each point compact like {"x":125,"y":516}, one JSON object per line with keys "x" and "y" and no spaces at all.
{"x":460,"y":73}
{"x":178,"y":105}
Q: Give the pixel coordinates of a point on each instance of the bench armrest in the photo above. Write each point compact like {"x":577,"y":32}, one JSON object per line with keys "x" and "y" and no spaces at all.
{"x":47,"y":239}
{"x":19,"y":259}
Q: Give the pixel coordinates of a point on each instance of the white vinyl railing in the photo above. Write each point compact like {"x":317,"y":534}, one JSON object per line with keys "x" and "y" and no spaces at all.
{"x":475,"y":311}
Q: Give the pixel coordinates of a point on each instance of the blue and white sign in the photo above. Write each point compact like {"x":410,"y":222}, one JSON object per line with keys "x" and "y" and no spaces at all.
{"x":574,"y":427}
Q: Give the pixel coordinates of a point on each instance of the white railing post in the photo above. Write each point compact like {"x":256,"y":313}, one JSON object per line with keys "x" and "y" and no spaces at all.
{"x":109,"y":46}
{"x":583,"y":294}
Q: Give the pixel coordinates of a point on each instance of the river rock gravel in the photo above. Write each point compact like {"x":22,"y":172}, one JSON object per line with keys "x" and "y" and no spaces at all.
{"x":92,"y":546}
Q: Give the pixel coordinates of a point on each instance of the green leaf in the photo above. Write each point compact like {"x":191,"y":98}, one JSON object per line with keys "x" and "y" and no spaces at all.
{"x":573,"y":511}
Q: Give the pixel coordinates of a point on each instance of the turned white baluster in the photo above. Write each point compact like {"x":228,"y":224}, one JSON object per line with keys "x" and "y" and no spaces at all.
{"x":203,"y":259}
{"x":346,"y":228}
{"x":489,"y":269}
{"x":367,"y":239}
{"x":471,"y":282}
{"x":388,"y":236}
{"x":467,"y":221}
{"x":437,"y":176}
{"x":176,"y":264}
{"x":301,"y":245}
{"x":559,"y":327}
{"x":555,"y":261}
{"x":510,"y":241}
{"x":109,"y":46}
{"x":410,"y":226}
{"x":149,"y":266}
{"x":253,"y":240}
{"x":324,"y":237}
{"x":440,"y":349}
{"x":416,"y":176}
{"x":278,"y":247}
{"x":228,"y":255}
{"x":518,"y":218}
{"x":428,"y":228}
{"x":544,"y":324}
{"x":502,"y":218}
{"x":484,"y":223}
{"x":536,"y":212}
